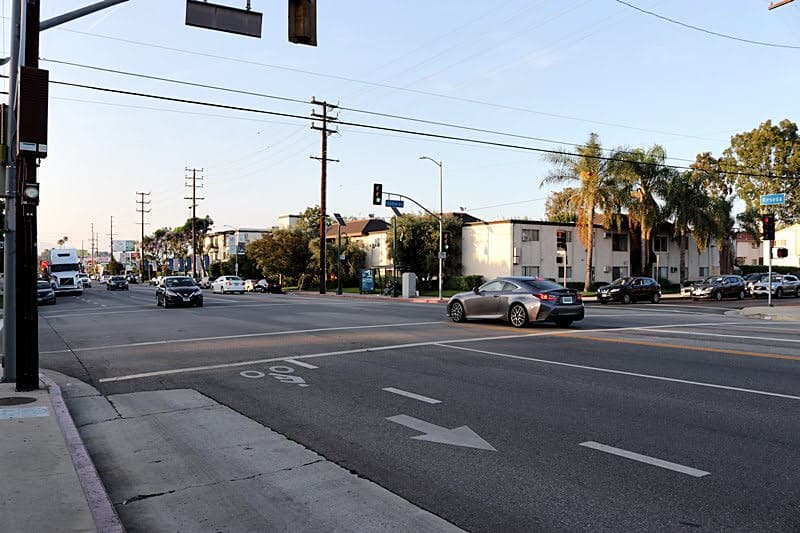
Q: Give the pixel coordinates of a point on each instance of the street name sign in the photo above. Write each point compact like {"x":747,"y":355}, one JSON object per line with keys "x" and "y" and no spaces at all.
{"x":395,"y":203}
{"x":773,"y":199}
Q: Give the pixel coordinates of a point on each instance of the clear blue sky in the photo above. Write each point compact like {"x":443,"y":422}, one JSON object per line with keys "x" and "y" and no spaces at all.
{"x":596,"y":61}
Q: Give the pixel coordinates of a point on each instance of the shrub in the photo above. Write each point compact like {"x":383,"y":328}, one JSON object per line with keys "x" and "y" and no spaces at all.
{"x":665,"y":283}
{"x":462,"y":283}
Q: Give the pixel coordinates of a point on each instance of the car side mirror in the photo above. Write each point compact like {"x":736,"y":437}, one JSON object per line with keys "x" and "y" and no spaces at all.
{"x":475,"y":289}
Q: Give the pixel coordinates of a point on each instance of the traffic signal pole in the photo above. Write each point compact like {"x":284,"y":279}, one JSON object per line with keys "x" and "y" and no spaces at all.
{"x":769,"y":270}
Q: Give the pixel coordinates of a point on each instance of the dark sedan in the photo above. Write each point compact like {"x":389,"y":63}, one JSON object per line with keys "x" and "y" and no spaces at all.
{"x":719,"y":287}
{"x":44,"y":293}
{"x":177,"y":291}
{"x":117,"y":283}
{"x":519,"y":300}
{"x":629,"y":290}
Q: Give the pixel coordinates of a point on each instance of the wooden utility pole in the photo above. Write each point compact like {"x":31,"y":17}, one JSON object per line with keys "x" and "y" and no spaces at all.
{"x":140,"y":203}
{"x":194,"y":186}
{"x":323,"y":159}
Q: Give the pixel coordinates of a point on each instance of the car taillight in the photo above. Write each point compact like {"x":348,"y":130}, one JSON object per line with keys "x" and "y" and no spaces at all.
{"x":227,"y":283}
{"x":545,"y":296}
{"x":579,"y":297}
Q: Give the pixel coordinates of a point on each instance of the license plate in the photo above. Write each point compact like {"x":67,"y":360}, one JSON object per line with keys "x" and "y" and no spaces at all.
{"x":566,"y":299}
{"x":185,"y":299}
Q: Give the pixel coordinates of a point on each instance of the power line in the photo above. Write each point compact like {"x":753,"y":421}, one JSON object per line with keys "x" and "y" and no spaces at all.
{"x":386,"y":128}
{"x":353,"y":109}
{"x":704,"y":30}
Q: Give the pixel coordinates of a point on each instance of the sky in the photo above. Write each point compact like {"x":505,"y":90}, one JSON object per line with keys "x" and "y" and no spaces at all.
{"x":553,"y":70}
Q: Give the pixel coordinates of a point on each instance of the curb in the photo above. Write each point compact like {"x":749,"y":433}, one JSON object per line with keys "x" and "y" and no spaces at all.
{"x":103,"y":512}
{"x":419,"y":300}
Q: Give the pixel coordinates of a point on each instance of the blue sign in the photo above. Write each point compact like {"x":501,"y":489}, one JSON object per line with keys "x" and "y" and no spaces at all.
{"x":394,"y":203}
{"x":367,"y":281}
{"x":773,"y":199}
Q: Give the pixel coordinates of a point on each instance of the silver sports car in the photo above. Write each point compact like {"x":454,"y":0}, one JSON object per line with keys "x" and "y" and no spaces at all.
{"x":519,"y":300}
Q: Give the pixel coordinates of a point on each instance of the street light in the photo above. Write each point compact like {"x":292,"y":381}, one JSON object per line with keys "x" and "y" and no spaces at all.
{"x":440,"y":164}
{"x":235,"y":245}
{"x":339,"y":222}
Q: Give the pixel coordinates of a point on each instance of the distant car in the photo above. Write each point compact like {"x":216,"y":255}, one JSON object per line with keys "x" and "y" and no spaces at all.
{"x":687,"y":286}
{"x":751,"y":279}
{"x":630,"y":289}
{"x":719,"y":287}
{"x":132,"y":278}
{"x":785,"y":285}
{"x":85,"y":280}
{"x":104,"y":278}
{"x":520,"y":301}
{"x":178,"y":291}
{"x":262,"y":286}
{"x":205,"y":282}
{"x":117,"y":283}
{"x":249,"y":285}
{"x":44,"y":293}
{"x":226,"y":284}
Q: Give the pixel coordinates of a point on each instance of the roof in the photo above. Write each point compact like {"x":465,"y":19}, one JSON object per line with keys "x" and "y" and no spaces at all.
{"x":530,"y":222}
{"x":356,"y":228}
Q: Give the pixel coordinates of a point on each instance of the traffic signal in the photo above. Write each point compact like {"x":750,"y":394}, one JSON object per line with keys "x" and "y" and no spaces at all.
{"x":768,"y":226}
{"x":783,"y":252}
{"x":561,"y":240}
{"x":377,"y":193}
{"x":303,"y":22}
{"x":446,"y":241}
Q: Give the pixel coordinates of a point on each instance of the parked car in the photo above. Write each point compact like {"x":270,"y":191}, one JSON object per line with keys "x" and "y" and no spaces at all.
{"x":44,"y":293}
{"x":782,"y":285}
{"x":155,"y":281}
{"x":104,"y":278}
{"x":751,"y":279}
{"x":132,"y":278}
{"x":225,"y":284}
{"x":205,"y":282}
{"x":262,"y":286}
{"x":85,"y":280}
{"x":117,"y":283}
{"x":719,"y":287}
{"x":520,"y":301}
{"x":630,"y":289}
{"x":687,"y":286}
{"x":177,"y":291}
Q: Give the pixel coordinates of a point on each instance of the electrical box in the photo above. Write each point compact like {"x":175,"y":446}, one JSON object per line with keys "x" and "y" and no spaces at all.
{"x":409,"y":289}
{"x":32,"y":98}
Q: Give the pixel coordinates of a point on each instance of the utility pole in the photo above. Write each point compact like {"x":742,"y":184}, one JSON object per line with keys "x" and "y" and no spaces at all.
{"x":140,"y":203}
{"x":111,"y":239}
{"x":323,"y":159}
{"x":193,"y":207}
{"x":91,"y":246}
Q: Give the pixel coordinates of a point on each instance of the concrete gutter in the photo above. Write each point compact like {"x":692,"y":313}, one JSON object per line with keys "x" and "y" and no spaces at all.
{"x":768,"y":313}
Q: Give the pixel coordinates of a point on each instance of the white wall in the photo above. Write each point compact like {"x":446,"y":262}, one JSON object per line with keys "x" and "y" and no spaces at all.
{"x":788,"y":238}
{"x":695,"y":260}
{"x":486,"y":249}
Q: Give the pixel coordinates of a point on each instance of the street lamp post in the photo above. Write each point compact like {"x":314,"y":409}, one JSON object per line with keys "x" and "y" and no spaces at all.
{"x":235,"y":246}
{"x":440,"y":164}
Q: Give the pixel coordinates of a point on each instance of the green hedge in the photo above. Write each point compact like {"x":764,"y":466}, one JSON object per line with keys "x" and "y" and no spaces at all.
{"x":462,"y":283}
{"x":754,"y":269}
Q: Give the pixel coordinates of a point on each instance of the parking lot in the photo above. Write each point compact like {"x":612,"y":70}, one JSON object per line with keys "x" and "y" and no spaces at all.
{"x":671,"y":416}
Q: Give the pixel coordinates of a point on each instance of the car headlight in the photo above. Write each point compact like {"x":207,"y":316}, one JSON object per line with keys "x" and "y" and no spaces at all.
{"x":198,"y":292}
{"x":614,"y":290}
{"x":171,"y":293}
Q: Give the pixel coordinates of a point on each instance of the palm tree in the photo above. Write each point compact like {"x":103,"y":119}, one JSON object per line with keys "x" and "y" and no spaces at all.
{"x":723,"y":224}
{"x":687,"y":205}
{"x":646,"y":176}
{"x":588,"y":169}
{"x":62,"y":241}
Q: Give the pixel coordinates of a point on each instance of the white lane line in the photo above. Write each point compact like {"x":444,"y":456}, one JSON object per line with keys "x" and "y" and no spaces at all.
{"x":243,"y":336}
{"x":407,"y":394}
{"x":623,"y":372}
{"x":153,"y":308}
{"x":184,"y":370}
{"x":689,"y":471}
{"x":749,"y":337}
{"x":301,"y":363}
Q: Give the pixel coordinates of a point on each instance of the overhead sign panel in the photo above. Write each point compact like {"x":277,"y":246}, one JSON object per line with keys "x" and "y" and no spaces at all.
{"x":223,"y":18}
{"x":773,"y":199}
{"x":394,"y":203}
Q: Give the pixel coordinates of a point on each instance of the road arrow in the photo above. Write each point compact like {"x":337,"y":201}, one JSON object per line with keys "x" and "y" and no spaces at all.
{"x":460,"y":436}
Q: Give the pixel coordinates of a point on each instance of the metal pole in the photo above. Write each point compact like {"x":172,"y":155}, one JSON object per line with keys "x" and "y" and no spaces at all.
{"x":339,"y":260}
{"x":10,"y":257}
{"x":236,"y":252}
{"x":769,"y":283}
{"x":441,"y":224}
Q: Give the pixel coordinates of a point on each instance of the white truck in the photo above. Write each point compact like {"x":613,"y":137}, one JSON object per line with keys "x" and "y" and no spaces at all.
{"x":64,"y":268}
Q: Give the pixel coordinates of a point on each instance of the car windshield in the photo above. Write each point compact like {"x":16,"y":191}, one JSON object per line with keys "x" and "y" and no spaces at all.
{"x":42,"y":284}
{"x":620,"y":281}
{"x":713,"y":279}
{"x":543,"y":285}
{"x":117,"y":278}
{"x":64,"y":268}
{"x":179,"y":282}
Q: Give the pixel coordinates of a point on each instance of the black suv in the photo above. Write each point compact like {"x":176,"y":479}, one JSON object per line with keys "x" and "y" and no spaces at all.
{"x":629,"y":290}
{"x":719,"y":287}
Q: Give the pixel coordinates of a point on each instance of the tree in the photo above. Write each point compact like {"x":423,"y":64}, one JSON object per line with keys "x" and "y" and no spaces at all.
{"x":590,"y":171}
{"x":750,"y":222}
{"x":560,"y":208}
{"x":114,"y":267}
{"x":418,"y":246}
{"x":283,"y":252}
{"x":354,"y":261}
{"x":309,"y":222}
{"x":62,"y":241}
{"x":686,"y":203}
{"x":646,"y":176}
{"x":769,"y":150}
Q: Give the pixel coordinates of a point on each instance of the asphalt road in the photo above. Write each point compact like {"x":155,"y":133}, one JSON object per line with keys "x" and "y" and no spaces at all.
{"x":645,"y":417}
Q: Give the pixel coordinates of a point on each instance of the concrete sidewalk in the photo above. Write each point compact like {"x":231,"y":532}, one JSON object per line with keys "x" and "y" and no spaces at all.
{"x":782,"y":313}
{"x":176,"y":460}
{"x":46,"y":481}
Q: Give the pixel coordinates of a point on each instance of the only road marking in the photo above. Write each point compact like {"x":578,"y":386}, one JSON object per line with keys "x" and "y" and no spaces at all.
{"x":412,"y":395}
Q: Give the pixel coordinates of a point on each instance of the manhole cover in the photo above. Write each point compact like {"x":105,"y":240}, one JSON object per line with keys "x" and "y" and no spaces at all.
{"x":16,"y":400}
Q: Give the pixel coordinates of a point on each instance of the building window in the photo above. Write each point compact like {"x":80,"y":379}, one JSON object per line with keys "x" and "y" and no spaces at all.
{"x":530,"y":235}
{"x":567,"y":235}
{"x":703,"y":272}
{"x":619,"y":242}
{"x":619,"y":272}
{"x":530,"y":271}
{"x":561,"y":272}
{"x":663,"y":273}
{"x":660,"y":243}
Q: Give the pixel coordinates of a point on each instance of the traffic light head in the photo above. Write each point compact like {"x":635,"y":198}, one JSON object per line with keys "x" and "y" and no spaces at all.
{"x":377,"y":194}
{"x":768,"y":226}
{"x":561,"y":240}
{"x":783,"y":252}
{"x":446,"y":239}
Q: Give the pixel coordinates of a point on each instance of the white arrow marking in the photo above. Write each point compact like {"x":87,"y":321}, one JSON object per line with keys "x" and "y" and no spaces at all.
{"x":460,"y":436}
